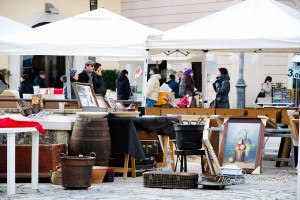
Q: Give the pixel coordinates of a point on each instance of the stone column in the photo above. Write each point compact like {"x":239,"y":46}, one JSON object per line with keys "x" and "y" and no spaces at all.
{"x":240,"y":85}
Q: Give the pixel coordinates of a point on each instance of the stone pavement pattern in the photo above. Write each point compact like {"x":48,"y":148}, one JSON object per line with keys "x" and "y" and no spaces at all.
{"x":278,"y":183}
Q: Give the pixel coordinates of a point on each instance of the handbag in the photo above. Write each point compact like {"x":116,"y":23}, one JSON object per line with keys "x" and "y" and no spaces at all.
{"x":213,"y":104}
{"x":260,"y":95}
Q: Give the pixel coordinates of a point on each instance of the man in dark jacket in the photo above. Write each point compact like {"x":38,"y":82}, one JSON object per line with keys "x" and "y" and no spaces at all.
{"x":173,"y":85}
{"x":86,"y":76}
{"x":123,"y":86}
{"x":98,"y":82}
{"x":222,"y":88}
{"x":40,"y":79}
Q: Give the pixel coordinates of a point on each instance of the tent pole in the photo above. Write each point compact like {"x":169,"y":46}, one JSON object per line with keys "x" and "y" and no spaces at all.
{"x":68,"y":76}
{"x":145,"y":77}
{"x":204,"y":80}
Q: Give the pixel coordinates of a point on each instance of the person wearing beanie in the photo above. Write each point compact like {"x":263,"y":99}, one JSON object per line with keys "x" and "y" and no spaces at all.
{"x":187,"y":71}
{"x":123,"y":86}
{"x":73,"y":78}
{"x":187,"y":87}
{"x":153,"y":87}
{"x":98,"y":82}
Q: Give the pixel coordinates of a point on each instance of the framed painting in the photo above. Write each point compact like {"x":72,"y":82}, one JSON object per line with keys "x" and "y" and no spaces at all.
{"x":101,"y":102}
{"x":85,"y":95}
{"x":119,"y":105}
{"x":242,"y":143}
{"x":112,"y":103}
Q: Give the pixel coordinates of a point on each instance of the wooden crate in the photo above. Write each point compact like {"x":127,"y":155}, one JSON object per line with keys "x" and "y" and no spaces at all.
{"x":201,"y":111}
{"x":49,"y":158}
{"x":230,"y":112}
{"x":180,"y":111}
{"x":270,"y":113}
{"x":153,"y":111}
{"x":284,"y":115}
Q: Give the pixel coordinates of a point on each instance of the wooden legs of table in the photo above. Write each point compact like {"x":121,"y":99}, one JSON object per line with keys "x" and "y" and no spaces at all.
{"x":126,"y":169}
{"x":172,"y":149}
{"x":167,"y":143}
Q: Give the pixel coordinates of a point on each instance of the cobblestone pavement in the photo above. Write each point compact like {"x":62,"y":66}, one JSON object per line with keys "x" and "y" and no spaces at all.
{"x":273,"y":183}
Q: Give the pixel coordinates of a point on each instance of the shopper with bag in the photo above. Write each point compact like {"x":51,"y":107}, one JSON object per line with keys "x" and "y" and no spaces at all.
{"x":266,"y":90}
{"x":222,"y":88}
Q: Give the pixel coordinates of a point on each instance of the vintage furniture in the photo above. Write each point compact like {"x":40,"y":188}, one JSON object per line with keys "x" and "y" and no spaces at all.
{"x":49,"y":159}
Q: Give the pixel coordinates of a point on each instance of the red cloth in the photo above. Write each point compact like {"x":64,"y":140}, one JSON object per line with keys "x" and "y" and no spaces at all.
{"x":11,"y":123}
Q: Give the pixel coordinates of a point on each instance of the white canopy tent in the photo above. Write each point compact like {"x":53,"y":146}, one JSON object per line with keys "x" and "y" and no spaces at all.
{"x":95,"y":33}
{"x":249,"y":26}
{"x":252,"y":25}
{"x":9,"y":26}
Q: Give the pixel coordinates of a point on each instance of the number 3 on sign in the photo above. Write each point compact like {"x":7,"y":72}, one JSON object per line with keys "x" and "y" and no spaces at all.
{"x":293,"y":72}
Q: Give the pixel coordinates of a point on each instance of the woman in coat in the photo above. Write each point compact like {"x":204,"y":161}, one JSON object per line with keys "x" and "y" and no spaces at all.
{"x":123,"y":86}
{"x":25,"y":87}
{"x":153,"y":87}
{"x":267,"y":86}
{"x":222,"y":88}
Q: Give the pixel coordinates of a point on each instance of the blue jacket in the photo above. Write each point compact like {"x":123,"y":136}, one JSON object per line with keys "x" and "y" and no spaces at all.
{"x":175,"y":87}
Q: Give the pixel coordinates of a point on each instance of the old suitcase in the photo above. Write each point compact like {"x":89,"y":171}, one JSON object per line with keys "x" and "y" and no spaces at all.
{"x":170,"y":179}
{"x":150,"y":146}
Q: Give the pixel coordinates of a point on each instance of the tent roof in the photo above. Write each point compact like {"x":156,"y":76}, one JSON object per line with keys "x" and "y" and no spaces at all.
{"x":252,"y":25}
{"x":95,"y":33}
{"x":9,"y":26}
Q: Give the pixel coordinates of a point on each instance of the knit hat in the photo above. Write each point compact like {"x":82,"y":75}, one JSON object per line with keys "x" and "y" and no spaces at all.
{"x":187,"y":71}
{"x":72,"y":72}
{"x":42,"y":72}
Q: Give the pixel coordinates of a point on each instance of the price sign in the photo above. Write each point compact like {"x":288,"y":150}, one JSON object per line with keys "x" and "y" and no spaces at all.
{"x":293,"y":72}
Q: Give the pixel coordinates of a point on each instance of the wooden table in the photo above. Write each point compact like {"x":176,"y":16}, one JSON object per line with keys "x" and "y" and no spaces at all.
{"x":11,"y":154}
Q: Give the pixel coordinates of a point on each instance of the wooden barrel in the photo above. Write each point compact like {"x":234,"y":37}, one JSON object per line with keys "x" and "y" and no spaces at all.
{"x":91,"y":135}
